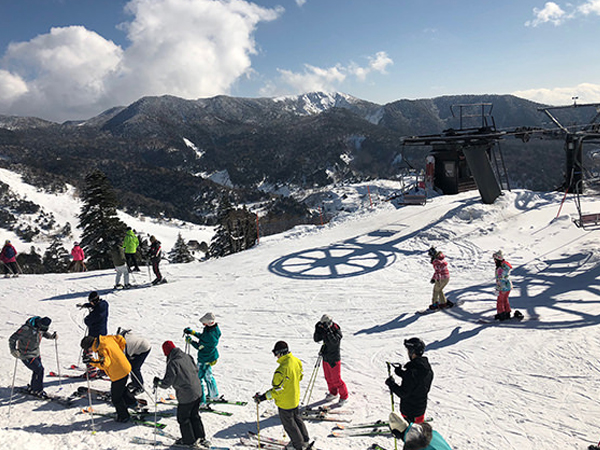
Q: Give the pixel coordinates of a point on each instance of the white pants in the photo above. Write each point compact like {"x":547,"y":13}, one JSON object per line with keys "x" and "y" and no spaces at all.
{"x":122,"y":270}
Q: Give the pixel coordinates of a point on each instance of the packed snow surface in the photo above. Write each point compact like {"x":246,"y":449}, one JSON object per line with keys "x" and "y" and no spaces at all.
{"x":526,"y":385}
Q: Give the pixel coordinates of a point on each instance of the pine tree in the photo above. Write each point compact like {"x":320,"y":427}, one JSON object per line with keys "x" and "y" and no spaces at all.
{"x":236,"y":231}
{"x":180,"y":253}
{"x":101,"y":228}
{"x":56,"y":257}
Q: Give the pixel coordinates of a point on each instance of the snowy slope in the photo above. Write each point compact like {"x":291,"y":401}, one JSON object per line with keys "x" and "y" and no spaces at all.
{"x":528,"y":385}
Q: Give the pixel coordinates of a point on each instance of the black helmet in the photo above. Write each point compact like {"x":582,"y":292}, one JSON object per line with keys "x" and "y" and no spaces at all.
{"x":93,"y":297}
{"x":280,"y":349}
{"x":415,"y":345}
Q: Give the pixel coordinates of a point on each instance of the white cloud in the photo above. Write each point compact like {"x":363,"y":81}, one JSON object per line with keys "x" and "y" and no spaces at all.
{"x":300,"y":3}
{"x":324,"y":79}
{"x":189,"y":48}
{"x":590,"y":7}
{"x":550,"y":13}
{"x":585,"y":93}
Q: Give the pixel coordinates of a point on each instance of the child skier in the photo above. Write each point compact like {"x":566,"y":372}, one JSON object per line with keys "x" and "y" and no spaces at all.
{"x":207,"y":354}
{"x":503,"y":286}
{"x":440,"y":279}
{"x":25,"y":345}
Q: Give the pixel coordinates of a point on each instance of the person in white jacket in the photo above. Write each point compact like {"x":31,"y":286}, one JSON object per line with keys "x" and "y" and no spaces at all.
{"x":137,"y":349}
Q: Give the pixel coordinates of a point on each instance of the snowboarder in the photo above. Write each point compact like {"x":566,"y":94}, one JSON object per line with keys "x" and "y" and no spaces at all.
{"x":207,"y":354}
{"x":118,"y":258}
{"x":25,"y":345}
{"x":130,"y":245}
{"x":440,"y":279}
{"x":286,"y":393}
{"x":155,"y":257}
{"x":416,"y":436}
{"x":111,"y":359}
{"x":8,"y":256}
{"x":181,"y":374}
{"x":137,"y":349}
{"x":417,"y":376}
{"x":329,"y":332}
{"x":77,"y":265}
{"x":503,"y":286}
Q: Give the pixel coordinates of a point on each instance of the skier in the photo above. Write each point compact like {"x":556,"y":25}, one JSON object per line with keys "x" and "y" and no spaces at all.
{"x":111,"y":359}
{"x":503,"y":286}
{"x":417,"y":376}
{"x":25,"y":345}
{"x":137,"y":349}
{"x":77,"y":265}
{"x":329,"y":332}
{"x":416,"y":436}
{"x":155,"y":257}
{"x":97,"y":319}
{"x":118,"y":258}
{"x":181,"y":374}
{"x":130,"y":245}
{"x":440,"y":279}
{"x":286,"y":393}
{"x":8,"y":256}
{"x":207,"y":354}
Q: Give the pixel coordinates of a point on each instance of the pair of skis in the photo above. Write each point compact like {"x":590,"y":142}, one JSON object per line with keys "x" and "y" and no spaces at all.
{"x":147,"y":441}
{"x":326,"y":414}
{"x":134,"y":418}
{"x":267,"y":443}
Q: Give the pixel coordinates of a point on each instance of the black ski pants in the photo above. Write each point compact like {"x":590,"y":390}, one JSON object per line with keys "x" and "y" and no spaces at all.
{"x":294,"y":426}
{"x":121,"y":397}
{"x":190,"y":424}
{"x":136,"y":362}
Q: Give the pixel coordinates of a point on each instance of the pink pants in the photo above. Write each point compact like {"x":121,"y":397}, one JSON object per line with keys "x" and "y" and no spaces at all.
{"x":334,"y":380}
{"x":502,"y":304}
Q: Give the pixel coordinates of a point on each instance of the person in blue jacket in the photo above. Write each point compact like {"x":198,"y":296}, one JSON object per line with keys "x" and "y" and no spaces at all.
{"x":97,"y":319}
{"x":416,"y":436}
{"x":207,"y":354}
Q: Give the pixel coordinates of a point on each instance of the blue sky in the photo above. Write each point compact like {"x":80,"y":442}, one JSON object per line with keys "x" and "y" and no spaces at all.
{"x":72,"y":59}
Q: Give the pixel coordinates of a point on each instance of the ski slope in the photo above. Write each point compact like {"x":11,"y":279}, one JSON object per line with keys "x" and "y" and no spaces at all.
{"x":514,"y":386}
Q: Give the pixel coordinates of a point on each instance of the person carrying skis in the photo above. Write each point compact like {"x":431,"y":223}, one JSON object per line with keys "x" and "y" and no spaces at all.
{"x":503,"y":286}
{"x":155,"y":257}
{"x":207,"y":354}
{"x":329,"y":332}
{"x":130,"y":245}
{"x":181,"y":374}
{"x":25,"y":345}
{"x":416,"y":436}
{"x":118,"y":258}
{"x":111,"y":359}
{"x":417,"y":376}
{"x":8,"y":256}
{"x":77,"y":265}
{"x":440,"y":279}
{"x":137,"y":349}
{"x":286,"y":393}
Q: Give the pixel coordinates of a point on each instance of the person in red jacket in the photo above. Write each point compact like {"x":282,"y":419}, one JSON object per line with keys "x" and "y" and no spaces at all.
{"x":78,"y":256}
{"x":8,"y":256}
{"x":440,"y":279}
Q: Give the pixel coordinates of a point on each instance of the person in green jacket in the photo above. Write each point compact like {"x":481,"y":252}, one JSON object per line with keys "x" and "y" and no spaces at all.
{"x":130,"y":245}
{"x":286,"y":393}
{"x":207,"y":354}
{"x":416,"y":436}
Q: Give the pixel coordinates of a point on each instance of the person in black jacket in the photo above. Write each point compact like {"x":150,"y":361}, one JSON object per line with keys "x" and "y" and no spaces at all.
{"x":97,"y":324}
{"x":155,"y":257}
{"x":417,"y":376}
{"x":329,"y":332}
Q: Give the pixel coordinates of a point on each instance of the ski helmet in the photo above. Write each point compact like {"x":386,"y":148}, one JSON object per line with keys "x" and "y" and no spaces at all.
{"x":415,"y":346}
{"x":93,"y":297}
{"x":280,"y":349}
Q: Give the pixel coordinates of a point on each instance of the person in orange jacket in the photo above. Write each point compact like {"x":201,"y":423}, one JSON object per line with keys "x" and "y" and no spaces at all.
{"x":112,"y":360}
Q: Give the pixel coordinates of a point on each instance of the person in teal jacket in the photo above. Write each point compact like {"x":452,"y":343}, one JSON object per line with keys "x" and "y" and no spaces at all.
{"x":207,"y":354}
{"x":130,"y":245}
{"x":416,"y":436}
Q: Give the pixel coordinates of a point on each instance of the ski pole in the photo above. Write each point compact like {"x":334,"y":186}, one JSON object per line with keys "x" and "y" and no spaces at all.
{"x":12,"y":387}
{"x":87,"y":377}
{"x":258,"y":426}
{"x":142,"y":385}
{"x":389,"y":368}
{"x":311,"y":381}
{"x":57,"y":363}
{"x":155,"y":413}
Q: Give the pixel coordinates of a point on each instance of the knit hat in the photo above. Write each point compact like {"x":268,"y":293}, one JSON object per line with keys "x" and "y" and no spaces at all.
{"x":168,"y":347}
{"x":208,"y":319}
{"x":87,"y":342}
{"x":498,"y":255}
{"x":280,"y":349}
{"x":44,"y":323}
{"x":397,"y":423}
{"x":93,"y":297}
{"x":326,"y":319}
{"x":75,"y":243}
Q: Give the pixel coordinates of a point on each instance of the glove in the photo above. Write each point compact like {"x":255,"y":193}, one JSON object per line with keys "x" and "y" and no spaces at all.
{"x":390,"y":382}
{"x":16,"y":354}
{"x":399,"y":370}
{"x":259,"y":398}
{"x":188,"y":339}
{"x":53,"y":335}
{"x":83,"y":305}
{"x":86,"y":359}
{"x":188,"y":330}
{"x":156,"y":382}
{"x":432,"y":281}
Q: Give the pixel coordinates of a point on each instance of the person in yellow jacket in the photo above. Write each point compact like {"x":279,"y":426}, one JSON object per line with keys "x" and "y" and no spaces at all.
{"x":286,"y":393}
{"x":112,"y":360}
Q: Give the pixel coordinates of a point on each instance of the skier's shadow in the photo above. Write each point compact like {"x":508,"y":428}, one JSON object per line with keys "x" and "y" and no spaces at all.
{"x":77,"y":295}
{"x":240,"y":429}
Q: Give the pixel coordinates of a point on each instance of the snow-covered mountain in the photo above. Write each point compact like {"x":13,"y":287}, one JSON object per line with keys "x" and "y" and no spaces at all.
{"x":511,"y":386}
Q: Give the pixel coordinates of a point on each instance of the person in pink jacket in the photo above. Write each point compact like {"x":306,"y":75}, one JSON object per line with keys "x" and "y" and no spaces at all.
{"x":440,"y":279}
{"x":78,"y":256}
{"x":8,"y":256}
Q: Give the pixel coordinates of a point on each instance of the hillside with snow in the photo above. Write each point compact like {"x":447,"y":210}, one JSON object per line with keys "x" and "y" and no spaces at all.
{"x":512,"y":386}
